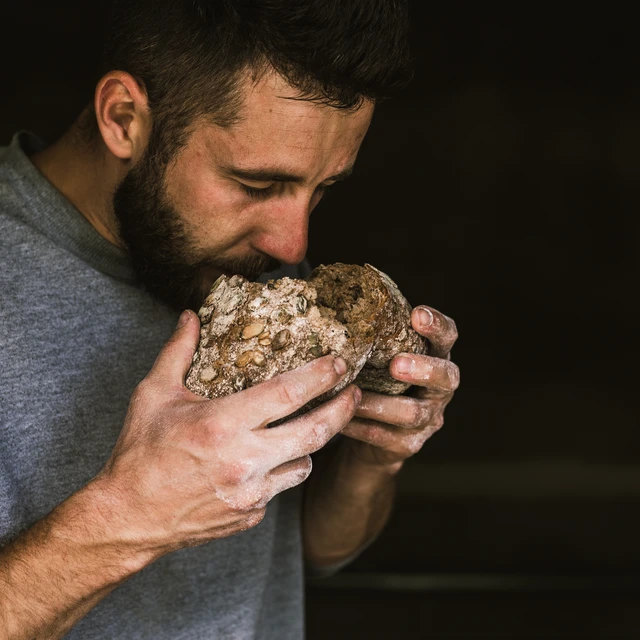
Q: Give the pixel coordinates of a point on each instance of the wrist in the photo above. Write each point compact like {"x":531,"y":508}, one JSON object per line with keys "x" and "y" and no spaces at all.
{"x":62,"y":566}
{"x":369,"y":461}
{"x":98,"y":521}
{"x":351,"y":478}
{"x":347,"y":502}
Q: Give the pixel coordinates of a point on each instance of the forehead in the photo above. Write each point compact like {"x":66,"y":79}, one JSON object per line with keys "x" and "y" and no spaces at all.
{"x":278,"y":128}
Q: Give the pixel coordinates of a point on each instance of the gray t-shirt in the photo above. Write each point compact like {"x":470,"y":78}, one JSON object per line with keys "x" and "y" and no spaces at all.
{"x":77,"y":334}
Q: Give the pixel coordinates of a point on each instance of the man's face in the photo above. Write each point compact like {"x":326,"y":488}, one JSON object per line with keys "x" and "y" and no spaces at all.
{"x":236,"y":200}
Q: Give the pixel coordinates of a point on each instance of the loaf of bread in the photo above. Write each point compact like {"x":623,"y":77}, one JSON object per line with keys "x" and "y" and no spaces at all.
{"x":251,"y":331}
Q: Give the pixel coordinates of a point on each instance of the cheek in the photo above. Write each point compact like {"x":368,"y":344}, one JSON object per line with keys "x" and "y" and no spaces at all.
{"x":195,"y":194}
{"x":209,"y":205}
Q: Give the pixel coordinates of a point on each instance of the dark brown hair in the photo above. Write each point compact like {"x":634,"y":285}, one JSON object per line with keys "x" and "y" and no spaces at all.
{"x":189,"y":54}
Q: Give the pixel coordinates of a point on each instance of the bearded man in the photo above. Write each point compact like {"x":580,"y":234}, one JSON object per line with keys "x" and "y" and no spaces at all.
{"x":129,"y":506}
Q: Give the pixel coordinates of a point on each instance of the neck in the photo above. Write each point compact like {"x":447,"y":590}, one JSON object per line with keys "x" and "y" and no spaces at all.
{"x":86,"y":174}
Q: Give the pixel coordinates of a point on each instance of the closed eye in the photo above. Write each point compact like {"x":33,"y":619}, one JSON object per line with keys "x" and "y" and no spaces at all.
{"x":258,"y":193}
{"x":262,"y":193}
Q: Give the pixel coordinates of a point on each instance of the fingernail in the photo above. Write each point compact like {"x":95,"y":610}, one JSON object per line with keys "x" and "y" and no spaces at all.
{"x":183,"y":319}
{"x":425,"y":317}
{"x":340,"y":366}
{"x":404,"y":365}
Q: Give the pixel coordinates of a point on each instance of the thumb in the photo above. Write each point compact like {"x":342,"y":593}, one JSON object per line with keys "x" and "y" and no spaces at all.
{"x":174,"y":360}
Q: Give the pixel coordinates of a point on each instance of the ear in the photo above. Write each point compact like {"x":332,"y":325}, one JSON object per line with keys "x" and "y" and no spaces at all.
{"x":122,"y":113}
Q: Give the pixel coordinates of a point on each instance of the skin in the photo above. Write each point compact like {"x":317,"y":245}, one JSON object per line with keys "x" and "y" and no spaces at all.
{"x":187,"y":470}
{"x":350,"y":494}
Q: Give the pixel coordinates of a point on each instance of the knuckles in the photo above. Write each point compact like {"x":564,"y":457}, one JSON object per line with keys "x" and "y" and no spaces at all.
{"x":291,"y":393}
{"x":246,"y":499}
{"x":443,"y":376}
{"x":353,"y":401}
{"x":317,"y":435}
{"x":239,"y":472}
{"x":453,"y":373}
{"x":321,"y":430}
{"x":345,"y":406}
{"x":416,"y":414}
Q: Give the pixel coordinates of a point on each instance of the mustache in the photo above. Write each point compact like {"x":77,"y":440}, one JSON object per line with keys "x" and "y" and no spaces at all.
{"x":250,"y":267}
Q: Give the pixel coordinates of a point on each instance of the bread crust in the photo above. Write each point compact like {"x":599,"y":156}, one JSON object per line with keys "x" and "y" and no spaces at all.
{"x":251,"y":332}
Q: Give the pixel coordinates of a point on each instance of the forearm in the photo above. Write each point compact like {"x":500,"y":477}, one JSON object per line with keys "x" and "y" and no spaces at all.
{"x":58,"y":570}
{"x":347,"y":503}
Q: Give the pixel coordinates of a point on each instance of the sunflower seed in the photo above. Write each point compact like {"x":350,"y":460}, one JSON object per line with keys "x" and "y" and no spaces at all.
{"x":239,"y":383}
{"x":283,"y":316}
{"x":244,"y":359}
{"x":258,"y":359}
{"x":252,"y":330}
{"x":313,"y":338}
{"x":316,"y":351}
{"x":208,"y":374}
{"x":230,"y":302}
{"x":265,"y":342}
{"x":210,"y":297}
{"x":281,"y":339}
{"x":301,"y":304}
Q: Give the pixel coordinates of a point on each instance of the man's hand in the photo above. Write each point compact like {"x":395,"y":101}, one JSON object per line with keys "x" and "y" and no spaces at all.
{"x":350,"y":494}
{"x":188,"y":469}
{"x":389,"y":429}
{"x":185,"y":470}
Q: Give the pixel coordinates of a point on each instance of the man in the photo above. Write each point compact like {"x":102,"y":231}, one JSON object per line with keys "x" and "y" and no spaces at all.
{"x":130,"y":507}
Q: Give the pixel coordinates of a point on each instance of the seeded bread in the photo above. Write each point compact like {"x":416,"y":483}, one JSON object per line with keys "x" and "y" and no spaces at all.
{"x":252,"y":332}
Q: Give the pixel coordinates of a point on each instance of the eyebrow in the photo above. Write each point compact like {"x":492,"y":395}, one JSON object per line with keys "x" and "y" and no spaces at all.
{"x":277,"y":175}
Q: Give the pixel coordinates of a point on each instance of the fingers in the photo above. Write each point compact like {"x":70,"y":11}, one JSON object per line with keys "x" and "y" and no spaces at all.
{"x":309,"y":433}
{"x":174,"y":360}
{"x":289,"y":474}
{"x":439,"y":376}
{"x":283,"y":394}
{"x":401,"y":411}
{"x":402,"y":443}
{"x":440,"y":330}
{"x":258,"y":493}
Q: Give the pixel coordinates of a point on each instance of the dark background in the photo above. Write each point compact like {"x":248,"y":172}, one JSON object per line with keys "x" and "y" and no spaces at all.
{"x":501,"y":188}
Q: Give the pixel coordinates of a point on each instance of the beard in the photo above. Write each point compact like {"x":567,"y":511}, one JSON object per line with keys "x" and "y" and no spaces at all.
{"x":165,"y":258}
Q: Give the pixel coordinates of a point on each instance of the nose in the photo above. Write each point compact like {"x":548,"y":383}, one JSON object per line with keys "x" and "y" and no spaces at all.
{"x":284,"y":230}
